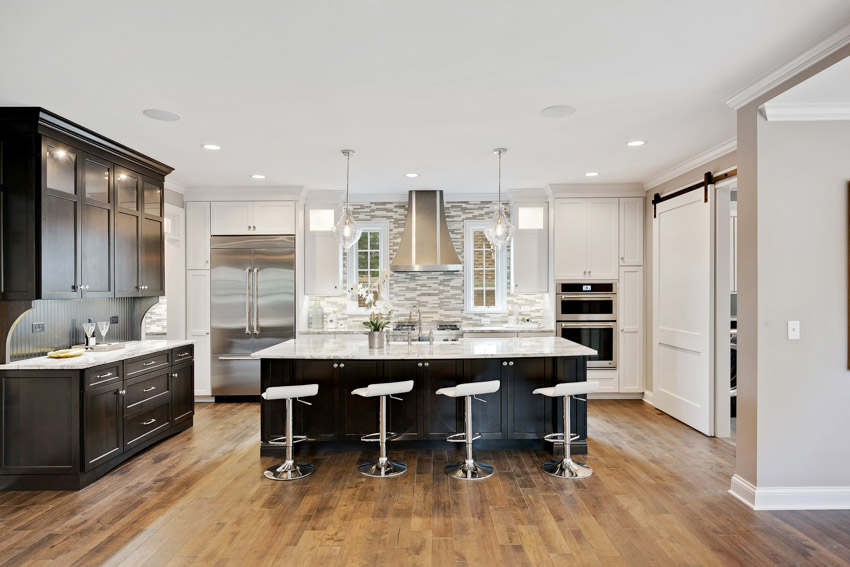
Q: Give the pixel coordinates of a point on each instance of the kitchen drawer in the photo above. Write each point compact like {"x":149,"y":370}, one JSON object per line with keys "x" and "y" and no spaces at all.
{"x":101,"y":376}
{"x":182,"y":354}
{"x":143,"y":364}
{"x":141,"y":392}
{"x":145,"y":424}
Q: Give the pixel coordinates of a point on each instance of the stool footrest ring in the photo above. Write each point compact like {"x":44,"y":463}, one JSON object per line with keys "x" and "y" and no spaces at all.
{"x":376,"y":437}
{"x":558,"y":438}
{"x":282,"y":440}
{"x":461,"y":437}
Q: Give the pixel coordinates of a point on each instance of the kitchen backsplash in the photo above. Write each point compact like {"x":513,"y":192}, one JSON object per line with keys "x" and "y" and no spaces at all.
{"x":63,"y":323}
{"x":438,"y":294}
{"x":156,"y":320}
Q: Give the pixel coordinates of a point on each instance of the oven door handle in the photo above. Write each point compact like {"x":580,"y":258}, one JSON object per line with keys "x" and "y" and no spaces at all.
{"x":570,"y":296}
{"x":589,"y":325}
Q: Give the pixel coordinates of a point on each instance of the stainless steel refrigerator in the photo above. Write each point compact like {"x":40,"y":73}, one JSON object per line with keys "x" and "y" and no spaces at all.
{"x":252,"y":307}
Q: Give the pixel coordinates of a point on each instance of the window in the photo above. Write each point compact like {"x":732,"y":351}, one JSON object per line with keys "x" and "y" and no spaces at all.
{"x":484,"y":271}
{"x":366,"y":260}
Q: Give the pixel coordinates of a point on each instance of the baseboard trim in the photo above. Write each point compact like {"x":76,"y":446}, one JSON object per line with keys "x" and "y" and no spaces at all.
{"x":647,"y":397}
{"x":204,"y":399}
{"x":791,"y":497}
{"x":614,"y":396}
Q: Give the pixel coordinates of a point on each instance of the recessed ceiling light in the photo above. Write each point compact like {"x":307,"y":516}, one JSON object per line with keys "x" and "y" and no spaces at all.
{"x":411,"y":175}
{"x":635,"y":143}
{"x":159,"y":114}
{"x":557,"y":111}
{"x":258,"y":176}
{"x":591,"y":174}
{"x":211,"y":147}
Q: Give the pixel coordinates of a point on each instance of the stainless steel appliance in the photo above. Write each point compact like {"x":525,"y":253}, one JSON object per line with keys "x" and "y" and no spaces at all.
{"x":586,"y":313}
{"x":444,"y":331}
{"x":252,"y":307}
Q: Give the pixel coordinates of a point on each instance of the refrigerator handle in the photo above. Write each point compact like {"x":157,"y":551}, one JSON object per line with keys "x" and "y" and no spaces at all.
{"x":247,"y":301}
{"x":256,"y":301}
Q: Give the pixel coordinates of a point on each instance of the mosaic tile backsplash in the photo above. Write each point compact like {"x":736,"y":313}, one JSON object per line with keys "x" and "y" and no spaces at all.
{"x":438,"y":294}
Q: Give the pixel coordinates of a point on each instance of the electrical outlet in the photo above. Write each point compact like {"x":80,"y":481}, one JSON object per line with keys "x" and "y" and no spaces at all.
{"x":38,"y":327}
{"x":113,"y":320}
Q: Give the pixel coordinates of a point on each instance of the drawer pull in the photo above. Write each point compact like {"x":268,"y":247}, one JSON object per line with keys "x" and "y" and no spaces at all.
{"x":107,"y":375}
{"x":151,"y":389}
{"x":182,"y":354}
{"x":148,"y":422}
{"x":148,"y":363}
{"x":174,"y":375}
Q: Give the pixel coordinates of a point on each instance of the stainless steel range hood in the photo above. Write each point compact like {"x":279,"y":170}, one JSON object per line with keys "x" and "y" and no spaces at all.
{"x":425,"y":245}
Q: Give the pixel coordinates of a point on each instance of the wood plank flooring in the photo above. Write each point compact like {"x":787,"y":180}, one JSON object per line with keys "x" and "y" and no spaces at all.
{"x":657,"y":497}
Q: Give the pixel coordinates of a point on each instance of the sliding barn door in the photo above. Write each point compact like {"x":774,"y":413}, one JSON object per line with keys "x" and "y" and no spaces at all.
{"x":683,"y":313}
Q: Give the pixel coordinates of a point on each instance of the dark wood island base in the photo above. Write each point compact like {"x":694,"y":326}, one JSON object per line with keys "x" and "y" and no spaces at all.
{"x":513,"y":418}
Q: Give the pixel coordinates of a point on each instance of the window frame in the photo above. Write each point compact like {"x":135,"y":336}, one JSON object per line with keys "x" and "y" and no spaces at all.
{"x":501,"y":306}
{"x":383,"y":230}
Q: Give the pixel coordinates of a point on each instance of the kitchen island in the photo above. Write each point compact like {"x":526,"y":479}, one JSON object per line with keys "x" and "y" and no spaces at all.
{"x":513,"y":418}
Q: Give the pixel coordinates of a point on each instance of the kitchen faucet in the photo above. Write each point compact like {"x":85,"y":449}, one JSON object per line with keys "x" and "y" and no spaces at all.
{"x":410,"y":319}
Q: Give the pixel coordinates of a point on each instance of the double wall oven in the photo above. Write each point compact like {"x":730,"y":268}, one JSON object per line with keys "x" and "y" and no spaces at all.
{"x":586,"y":313}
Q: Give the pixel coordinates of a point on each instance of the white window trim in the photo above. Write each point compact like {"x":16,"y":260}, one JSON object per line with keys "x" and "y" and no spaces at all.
{"x":383,"y":228}
{"x":501,"y":307}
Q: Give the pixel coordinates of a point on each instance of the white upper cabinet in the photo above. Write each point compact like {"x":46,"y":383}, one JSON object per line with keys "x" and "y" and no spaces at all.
{"x":586,"y":239}
{"x":197,"y":236}
{"x":631,"y":345}
{"x":252,"y":217}
{"x":631,"y":231}
{"x":322,"y":252}
{"x":530,"y":248}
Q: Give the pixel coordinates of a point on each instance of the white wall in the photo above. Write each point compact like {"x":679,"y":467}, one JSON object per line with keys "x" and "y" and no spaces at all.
{"x":803,"y":386}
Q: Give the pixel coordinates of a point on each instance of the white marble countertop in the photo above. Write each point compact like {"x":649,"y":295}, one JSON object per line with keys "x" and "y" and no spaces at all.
{"x":357,"y":348}
{"x":131,"y":349}
{"x":508,"y":329}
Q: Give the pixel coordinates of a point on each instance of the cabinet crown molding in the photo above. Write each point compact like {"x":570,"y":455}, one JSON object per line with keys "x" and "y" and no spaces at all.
{"x":596,"y":190}
{"x":278,"y":193}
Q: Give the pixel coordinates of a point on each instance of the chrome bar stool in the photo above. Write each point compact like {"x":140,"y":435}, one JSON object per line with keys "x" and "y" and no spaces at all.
{"x":469,"y":469}
{"x":566,"y":467}
{"x":289,"y":469}
{"x":383,"y":467}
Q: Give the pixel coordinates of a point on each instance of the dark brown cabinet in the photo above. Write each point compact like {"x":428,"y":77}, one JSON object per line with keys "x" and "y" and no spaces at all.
{"x":62,"y":430}
{"x":82,"y":216}
{"x":323,"y":425}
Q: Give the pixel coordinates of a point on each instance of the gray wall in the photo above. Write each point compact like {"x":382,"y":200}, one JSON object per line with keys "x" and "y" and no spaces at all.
{"x":694,"y":176}
{"x":803,"y":386}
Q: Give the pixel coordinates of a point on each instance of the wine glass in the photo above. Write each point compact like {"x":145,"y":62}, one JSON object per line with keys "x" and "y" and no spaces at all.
{"x":103,"y":326}
{"x":88,"y":329}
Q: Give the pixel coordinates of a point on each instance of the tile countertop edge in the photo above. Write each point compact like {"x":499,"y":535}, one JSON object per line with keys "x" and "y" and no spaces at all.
{"x":132,"y":349}
{"x":356,"y":348}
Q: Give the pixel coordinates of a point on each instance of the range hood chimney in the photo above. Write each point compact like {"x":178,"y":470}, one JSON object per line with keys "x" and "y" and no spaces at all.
{"x":425,"y":245}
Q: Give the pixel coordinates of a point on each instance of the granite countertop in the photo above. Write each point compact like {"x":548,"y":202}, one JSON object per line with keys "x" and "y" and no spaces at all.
{"x":357,"y":348}
{"x":131,"y":349}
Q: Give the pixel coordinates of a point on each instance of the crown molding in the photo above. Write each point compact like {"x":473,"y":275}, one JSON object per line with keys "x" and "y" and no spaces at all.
{"x":324,"y":196}
{"x":801,"y":112}
{"x":595,"y":190}
{"x":279,"y":193}
{"x":693,"y":163}
{"x":176,"y":187}
{"x":817,"y":52}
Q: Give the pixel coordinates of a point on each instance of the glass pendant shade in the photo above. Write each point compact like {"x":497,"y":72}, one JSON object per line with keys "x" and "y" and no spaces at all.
{"x":346,"y":230}
{"x":500,"y":231}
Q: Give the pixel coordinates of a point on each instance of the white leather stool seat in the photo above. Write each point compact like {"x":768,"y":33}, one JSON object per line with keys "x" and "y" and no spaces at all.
{"x":470,"y":389}
{"x":287,"y":392}
{"x":568,"y":389}
{"x":385,"y":389}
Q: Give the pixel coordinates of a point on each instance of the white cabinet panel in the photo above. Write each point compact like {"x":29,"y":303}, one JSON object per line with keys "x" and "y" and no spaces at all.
{"x":197,"y":236}
{"x":273,"y":217}
{"x":631,"y":231}
{"x":530,"y":248}
{"x":631,"y":321}
{"x":609,"y":380}
{"x":570,"y":239}
{"x":203,"y":355}
{"x":322,"y":252}
{"x":228,"y":217}
{"x":198,"y":303}
{"x":603,"y":244}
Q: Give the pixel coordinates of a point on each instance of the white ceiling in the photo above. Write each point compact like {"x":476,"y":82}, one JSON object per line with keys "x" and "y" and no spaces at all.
{"x":429,"y":87}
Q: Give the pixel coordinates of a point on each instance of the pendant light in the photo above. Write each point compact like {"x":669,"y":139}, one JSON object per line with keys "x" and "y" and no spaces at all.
{"x":346,"y":231}
{"x":500,"y":231}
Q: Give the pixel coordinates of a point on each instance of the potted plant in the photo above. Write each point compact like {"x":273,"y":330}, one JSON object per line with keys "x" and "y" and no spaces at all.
{"x":376,"y":325}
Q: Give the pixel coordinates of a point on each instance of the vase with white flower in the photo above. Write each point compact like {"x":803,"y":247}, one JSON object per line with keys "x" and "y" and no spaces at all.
{"x":379,"y":317}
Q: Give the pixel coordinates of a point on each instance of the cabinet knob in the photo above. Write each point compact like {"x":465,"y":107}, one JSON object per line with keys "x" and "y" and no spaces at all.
{"x":174,"y":375}
{"x":122,"y":392}
{"x":622,"y":258}
{"x":342,"y":365}
{"x":419,"y":364}
{"x":336,"y":365}
{"x":511,"y":363}
{"x":588,"y":272}
{"x":426,"y":365}
{"x":504,"y":363}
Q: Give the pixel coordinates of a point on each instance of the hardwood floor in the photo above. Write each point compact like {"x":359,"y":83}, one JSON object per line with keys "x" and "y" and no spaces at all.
{"x":657,"y":497}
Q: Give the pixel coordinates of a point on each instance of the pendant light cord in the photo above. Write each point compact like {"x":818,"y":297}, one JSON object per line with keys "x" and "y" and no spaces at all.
{"x":500,"y":180}
{"x":347,"y":171}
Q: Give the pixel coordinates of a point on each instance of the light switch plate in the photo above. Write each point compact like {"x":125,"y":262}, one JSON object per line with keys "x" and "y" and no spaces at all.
{"x":793,"y":330}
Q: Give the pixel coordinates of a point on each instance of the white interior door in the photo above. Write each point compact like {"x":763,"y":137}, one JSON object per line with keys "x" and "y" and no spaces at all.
{"x":683,"y":314}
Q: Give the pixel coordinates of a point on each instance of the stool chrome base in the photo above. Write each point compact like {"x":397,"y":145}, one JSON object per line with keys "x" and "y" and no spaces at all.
{"x":469,"y":470}
{"x":289,"y":470}
{"x":567,"y":468}
{"x":383,"y":468}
